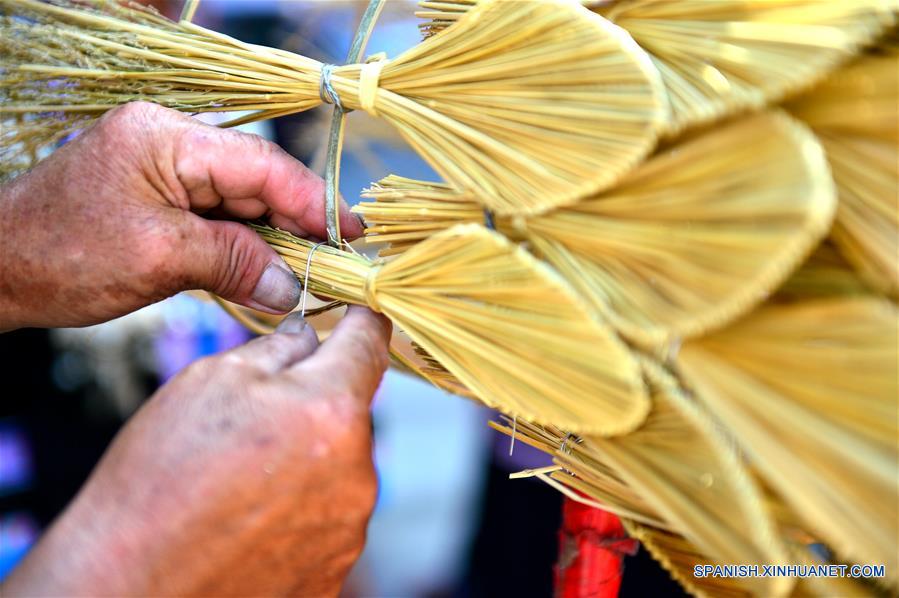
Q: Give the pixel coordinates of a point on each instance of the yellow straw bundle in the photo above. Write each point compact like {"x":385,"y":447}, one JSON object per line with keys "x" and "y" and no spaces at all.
{"x":505,"y":325}
{"x":826,"y":273}
{"x":699,"y":234}
{"x":413,"y":359}
{"x":809,"y":391}
{"x":678,"y":473}
{"x":719,"y":57}
{"x":855,"y":113}
{"x":679,"y":556}
{"x":527,"y":104}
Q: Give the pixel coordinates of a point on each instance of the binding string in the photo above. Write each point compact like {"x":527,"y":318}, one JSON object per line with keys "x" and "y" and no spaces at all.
{"x":489,"y":222}
{"x":565,"y":449}
{"x":306,"y":279}
{"x":326,"y":90}
{"x":338,"y":120}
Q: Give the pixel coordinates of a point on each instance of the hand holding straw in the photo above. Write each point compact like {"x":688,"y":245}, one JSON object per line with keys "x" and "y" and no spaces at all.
{"x":500,"y":321}
{"x":693,"y":238}
{"x":527,"y":104}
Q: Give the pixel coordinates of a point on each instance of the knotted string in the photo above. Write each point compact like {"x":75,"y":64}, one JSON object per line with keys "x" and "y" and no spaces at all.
{"x":306,"y":278}
{"x":488,"y":220}
{"x":326,"y":91}
{"x":369,"y":79}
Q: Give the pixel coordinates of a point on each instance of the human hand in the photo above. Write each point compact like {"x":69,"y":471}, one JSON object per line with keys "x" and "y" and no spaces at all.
{"x":111,"y":221}
{"x":248,"y":474}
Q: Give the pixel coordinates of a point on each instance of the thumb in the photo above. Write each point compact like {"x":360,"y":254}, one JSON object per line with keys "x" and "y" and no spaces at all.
{"x":232,"y":261}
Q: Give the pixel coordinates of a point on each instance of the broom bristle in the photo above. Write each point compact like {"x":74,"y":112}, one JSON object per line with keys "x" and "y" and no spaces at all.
{"x":487,"y":311}
{"x":413,"y":359}
{"x":721,"y":57}
{"x":526,"y":104}
{"x":676,"y":472}
{"x":718,"y":57}
{"x":809,"y":391}
{"x":826,"y":273}
{"x":855,"y":113}
{"x":696,"y":236}
{"x":678,"y":556}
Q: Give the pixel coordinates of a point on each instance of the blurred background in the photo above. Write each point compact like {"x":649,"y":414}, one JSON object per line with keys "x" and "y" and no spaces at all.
{"x":448,"y":521}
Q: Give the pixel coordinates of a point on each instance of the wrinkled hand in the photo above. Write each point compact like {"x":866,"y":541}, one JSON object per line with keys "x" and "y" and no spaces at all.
{"x":248,"y":474}
{"x":111,"y":221}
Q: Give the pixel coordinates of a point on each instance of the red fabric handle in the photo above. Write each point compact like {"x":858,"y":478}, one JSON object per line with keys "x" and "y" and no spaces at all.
{"x":592,"y":546}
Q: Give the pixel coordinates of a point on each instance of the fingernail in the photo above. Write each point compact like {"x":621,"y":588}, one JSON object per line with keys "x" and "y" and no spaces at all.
{"x":277,"y":288}
{"x":293,"y":324}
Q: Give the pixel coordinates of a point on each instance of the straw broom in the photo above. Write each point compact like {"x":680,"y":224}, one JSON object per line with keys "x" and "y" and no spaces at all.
{"x":809,"y":389}
{"x":581,"y":471}
{"x":504,"y":324}
{"x":718,"y":57}
{"x":826,"y":273}
{"x":696,"y":236}
{"x":527,"y":104}
{"x":679,"y":556}
{"x":678,"y":473}
{"x":721,"y":57}
{"x":855,"y":113}
{"x":411,"y":358}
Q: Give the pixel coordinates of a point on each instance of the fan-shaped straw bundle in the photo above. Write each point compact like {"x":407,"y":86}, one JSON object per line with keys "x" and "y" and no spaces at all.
{"x":719,"y":57}
{"x":678,"y":473}
{"x":679,"y":556}
{"x":809,"y":390}
{"x":530,"y":104}
{"x":505,"y":325}
{"x":826,"y":273}
{"x":413,"y":359}
{"x":855,"y":113}
{"x":699,"y":234}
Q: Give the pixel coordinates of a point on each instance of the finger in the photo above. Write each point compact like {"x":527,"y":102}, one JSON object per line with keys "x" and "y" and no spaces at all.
{"x":250,"y":177}
{"x":355,"y":355}
{"x":232,"y":261}
{"x":292,"y":341}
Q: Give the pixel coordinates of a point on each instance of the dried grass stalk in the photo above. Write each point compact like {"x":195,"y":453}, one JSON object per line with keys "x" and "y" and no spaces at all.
{"x":679,"y":556}
{"x":413,"y":359}
{"x":698,"y":235}
{"x":509,"y":328}
{"x":826,"y":273}
{"x":678,"y":473}
{"x":527,"y":104}
{"x":809,"y":390}
{"x":855,"y":113}
{"x":720,"y":57}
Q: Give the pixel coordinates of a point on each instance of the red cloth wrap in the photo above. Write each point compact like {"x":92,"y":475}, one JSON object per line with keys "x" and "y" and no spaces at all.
{"x":592,"y":546}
